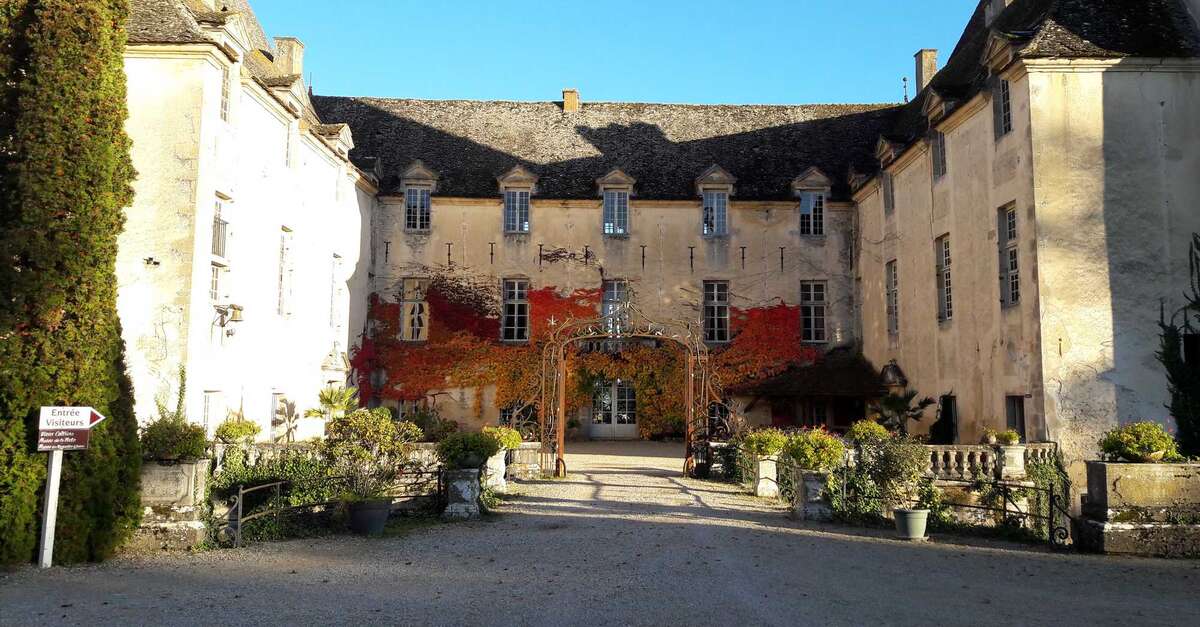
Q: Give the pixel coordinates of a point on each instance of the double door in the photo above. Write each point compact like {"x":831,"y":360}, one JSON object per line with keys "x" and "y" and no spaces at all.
{"x":614,"y":412}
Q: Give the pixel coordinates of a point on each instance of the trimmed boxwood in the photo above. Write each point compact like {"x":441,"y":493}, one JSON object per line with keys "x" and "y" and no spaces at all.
{"x":65,"y":176}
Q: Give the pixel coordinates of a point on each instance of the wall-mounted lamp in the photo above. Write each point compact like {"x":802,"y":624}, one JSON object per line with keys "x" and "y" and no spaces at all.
{"x":227,"y":314}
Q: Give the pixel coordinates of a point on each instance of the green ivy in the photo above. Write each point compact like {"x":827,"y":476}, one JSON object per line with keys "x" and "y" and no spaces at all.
{"x":65,"y":177}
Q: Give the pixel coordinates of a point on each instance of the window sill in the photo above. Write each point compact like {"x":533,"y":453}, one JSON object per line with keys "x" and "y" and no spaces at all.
{"x":514,"y":342}
{"x":616,"y":236}
{"x":945,"y":323}
{"x":714,"y":236}
{"x":425,"y":232}
{"x":819,"y":236}
{"x":218,"y":260}
{"x":516,"y":233}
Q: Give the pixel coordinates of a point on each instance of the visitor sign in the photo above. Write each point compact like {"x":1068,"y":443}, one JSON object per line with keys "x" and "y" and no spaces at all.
{"x":60,"y":429}
{"x":66,"y":428}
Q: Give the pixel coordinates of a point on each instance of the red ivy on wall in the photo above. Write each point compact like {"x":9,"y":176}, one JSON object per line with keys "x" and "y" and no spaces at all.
{"x":464,"y":351}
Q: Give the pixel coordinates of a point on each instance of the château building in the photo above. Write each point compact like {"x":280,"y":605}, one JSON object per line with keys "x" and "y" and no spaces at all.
{"x":1003,"y":241}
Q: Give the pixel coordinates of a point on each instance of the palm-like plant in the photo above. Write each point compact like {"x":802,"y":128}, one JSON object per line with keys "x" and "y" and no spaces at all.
{"x":334,"y":402}
{"x":285,"y":421}
{"x":895,"y":410}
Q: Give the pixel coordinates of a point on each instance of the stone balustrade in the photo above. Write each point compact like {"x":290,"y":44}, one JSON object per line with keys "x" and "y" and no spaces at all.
{"x":968,"y":461}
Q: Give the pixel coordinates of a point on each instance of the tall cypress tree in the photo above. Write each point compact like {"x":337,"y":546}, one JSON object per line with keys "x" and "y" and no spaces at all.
{"x":65,"y":177}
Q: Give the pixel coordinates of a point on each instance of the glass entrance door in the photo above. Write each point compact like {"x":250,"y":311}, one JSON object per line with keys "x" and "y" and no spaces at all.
{"x":614,"y":412}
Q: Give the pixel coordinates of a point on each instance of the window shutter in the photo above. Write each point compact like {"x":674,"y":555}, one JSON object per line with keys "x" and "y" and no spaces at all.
{"x":997,"y":107}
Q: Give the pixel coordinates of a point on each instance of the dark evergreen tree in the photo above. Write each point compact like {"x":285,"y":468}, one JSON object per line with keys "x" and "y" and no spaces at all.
{"x":65,"y":177}
{"x":1183,"y":376}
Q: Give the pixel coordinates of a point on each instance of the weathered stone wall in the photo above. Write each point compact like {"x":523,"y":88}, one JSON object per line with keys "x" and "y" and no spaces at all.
{"x":1117,"y":201}
{"x":667,"y":283}
{"x":984,"y":352}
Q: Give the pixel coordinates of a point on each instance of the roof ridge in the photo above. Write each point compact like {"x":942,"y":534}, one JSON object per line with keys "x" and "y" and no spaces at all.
{"x":880,"y":105}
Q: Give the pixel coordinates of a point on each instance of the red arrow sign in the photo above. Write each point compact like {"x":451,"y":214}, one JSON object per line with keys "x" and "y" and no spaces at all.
{"x":96,"y":417}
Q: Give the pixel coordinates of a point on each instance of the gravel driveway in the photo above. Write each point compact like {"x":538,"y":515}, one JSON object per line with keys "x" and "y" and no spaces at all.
{"x":623,"y":540}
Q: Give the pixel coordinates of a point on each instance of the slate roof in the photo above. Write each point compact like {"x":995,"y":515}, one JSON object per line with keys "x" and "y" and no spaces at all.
{"x":162,"y":22}
{"x":664,"y":146}
{"x":1093,"y":29}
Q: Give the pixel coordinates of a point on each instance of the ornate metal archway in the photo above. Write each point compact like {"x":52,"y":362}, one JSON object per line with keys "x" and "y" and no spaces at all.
{"x":626,"y":323}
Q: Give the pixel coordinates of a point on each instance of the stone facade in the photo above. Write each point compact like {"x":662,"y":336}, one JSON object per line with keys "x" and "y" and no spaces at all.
{"x":1145,"y":509}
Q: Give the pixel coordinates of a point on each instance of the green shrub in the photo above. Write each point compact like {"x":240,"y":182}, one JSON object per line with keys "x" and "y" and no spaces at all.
{"x":815,"y":449}
{"x":172,"y":438}
{"x":865,"y":431}
{"x":237,"y":430}
{"x":1139,"y":442}
{"x":1008,"y":437}
{"x":764,"y":442}
{"x":508,"y":437}
{"x":433,"y":425}
{"x":368,"y":450}
{"x":309,"y":482}
{"x":410,"y":432}
{"x":64,"y":181}
{"x":895,"y":465}
{"x":467,"y":450}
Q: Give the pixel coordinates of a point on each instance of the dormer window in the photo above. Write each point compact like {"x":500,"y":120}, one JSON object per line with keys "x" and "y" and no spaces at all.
{"x":516,"y":211}
{"x":419,"y":183}
{"x":517,"y":185}
{"x":812,"y":187}
{"x":416,"y":209}
{"x":716,"y":213}
{"x":615,"y":188}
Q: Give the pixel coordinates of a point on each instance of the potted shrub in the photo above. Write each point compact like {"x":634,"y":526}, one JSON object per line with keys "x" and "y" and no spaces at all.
{"x":237,"y":430}
{"x":172,"y":438}
{"x":463,"y":454}
{"x":368,"y":450}
{"x":1012,"y":454}
{"x":497,"y":465}
{"x":896,"y":465}
{"x":990,"y":437}
{"x":1142,"y":442}
{"x":764,"y":446}
{"x":814,"y":454}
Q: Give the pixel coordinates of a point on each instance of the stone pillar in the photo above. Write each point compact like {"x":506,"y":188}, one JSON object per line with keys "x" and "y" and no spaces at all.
{"x":1012,"y":462}
{"x":766,"y":478}
{"x":462,"y":494}
{"x":493,"y":477}
{"x":811,"y":501}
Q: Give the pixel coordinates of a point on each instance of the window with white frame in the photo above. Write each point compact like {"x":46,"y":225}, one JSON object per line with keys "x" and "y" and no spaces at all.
{"x":812,"y":311}
{"x":1002,"y":108}
{"x":891,"y":284}
{"x":941,"y":251}
{"x":417,"y":209}
{"x":408,"y":409}
{"x":716,"y":311}
{"x":616,"y":212}
{"x":283,"y":296}
{"x":613,"y":305}
{"x":414,"y":310}
{"x":225,"y":94}
{"x":516,"y":211}
{"x":938,"y":144}
{"x":716,"y":213}
{"x":214,"y":409}
{"x":220,"y":229}
{"x":214,"y":283}
{"x":889,"y":193}
{"x":514,"y":325}
{"x":812,"y":213}
{"x":1006,"y":239}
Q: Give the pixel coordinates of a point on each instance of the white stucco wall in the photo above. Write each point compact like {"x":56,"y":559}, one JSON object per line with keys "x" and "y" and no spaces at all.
{"x":316,"y":194}
{"x":1118,"y":198}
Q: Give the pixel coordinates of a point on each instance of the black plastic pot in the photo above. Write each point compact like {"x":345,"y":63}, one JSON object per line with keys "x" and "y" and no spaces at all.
{"x":370,"y":517}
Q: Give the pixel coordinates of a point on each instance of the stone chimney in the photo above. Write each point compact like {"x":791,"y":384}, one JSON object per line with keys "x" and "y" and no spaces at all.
{"x":570,"y":100}
{"x":289,"y":56}
{"x":926,"y":67}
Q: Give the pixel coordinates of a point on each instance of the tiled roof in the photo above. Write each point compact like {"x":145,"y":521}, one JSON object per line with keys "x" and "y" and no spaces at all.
{"x":162,"y":22}
{"x":664,"y":146}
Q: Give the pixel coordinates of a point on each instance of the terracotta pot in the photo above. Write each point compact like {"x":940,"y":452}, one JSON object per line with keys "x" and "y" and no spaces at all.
{"x":1150,"y":458}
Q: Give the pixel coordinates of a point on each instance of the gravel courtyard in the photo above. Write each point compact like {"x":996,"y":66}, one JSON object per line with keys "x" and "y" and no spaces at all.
{"x":622,"y":540}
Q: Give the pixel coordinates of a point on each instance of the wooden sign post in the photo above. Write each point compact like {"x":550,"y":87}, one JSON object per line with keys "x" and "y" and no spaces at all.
{"x":60,"y":429}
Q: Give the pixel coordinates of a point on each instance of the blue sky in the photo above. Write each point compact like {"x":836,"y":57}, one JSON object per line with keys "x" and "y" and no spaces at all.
{"x":753,"y":51}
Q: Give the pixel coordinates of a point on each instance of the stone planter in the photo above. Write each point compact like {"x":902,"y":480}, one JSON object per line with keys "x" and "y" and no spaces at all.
{"x":766,"y":477}
{"x":1012,"y":461}
{"x":1145,"y":509}
{"x":811,"y":500}
{"x":525,"y":461}
{"x":462,"y":494}
{"x":495,"y":470}
{"x":172,"y":501}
